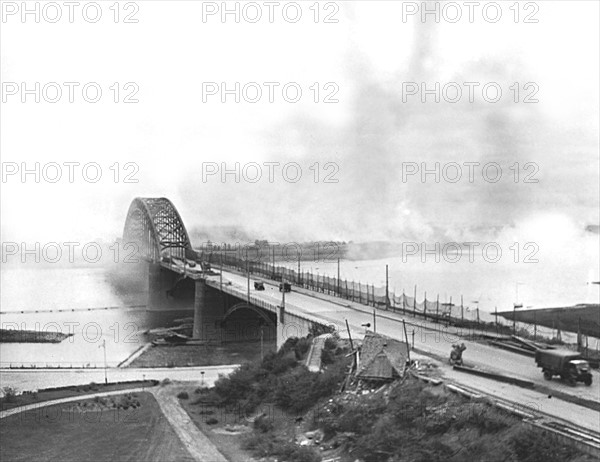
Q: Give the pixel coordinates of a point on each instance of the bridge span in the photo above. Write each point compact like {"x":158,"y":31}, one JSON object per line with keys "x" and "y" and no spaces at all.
{"x":156,"y":227}
{"x":222,"y":311}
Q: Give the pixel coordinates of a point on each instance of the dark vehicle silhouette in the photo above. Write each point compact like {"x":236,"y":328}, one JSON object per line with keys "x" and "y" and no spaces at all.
{"x":569,"y":365}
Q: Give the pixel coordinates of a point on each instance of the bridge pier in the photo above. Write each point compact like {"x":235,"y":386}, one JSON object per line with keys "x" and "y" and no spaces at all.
{"x":208,"y":313}
{"x":289,"y":325}
{"x":168,"y":291}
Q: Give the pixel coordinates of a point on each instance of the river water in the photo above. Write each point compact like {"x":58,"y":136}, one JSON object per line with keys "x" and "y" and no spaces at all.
{"x":116,"y":319}
{"x":62,"y":297}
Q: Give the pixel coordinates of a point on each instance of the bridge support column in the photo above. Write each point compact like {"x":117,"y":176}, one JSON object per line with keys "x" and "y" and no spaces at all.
{"x":289,"y":325}
{"x":208,"y":313}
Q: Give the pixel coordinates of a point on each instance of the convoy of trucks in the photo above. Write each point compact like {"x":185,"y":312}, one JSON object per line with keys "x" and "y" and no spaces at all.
{"x":569,"y":365}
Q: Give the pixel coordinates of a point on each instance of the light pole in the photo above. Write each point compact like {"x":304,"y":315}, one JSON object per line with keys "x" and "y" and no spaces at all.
{"x":105,"y":364}
{"x":387,"y":288}
{"x":248,"y":273}
{"x":516,"y":305}
{"x":338,"y":277}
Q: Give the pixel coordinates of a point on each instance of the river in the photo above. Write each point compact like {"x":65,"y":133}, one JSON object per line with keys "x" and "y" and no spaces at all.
{"x":116,"y":319}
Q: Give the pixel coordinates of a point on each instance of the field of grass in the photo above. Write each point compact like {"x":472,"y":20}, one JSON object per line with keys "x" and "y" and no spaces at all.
{"x":10,"y":401}
{"x":200,"y":355}
{"x":92,"y":430}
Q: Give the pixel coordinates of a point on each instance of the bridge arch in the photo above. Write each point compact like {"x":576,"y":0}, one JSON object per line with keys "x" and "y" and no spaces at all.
{"x":245,"y":306}
{"x":155,"y":227}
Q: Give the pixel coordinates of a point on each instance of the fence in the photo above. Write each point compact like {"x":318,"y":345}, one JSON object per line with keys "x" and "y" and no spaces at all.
{"x":366,"y":294}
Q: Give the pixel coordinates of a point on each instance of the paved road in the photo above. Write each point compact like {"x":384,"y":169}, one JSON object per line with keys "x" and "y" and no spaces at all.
{"x":430,"y":339}
{"x":35,"y":379}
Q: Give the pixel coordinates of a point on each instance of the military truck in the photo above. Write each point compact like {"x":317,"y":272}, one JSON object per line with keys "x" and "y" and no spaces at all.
{"x":569,"y":365}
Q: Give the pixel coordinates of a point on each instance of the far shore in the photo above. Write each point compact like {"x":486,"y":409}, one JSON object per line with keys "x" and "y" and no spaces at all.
{"x":31,"y":336}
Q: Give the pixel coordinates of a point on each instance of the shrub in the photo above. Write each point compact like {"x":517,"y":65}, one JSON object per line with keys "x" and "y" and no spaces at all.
{"x":301,"y":348}
{"x":530,"y":446}
{"x":327,"y":357}
{"x":330,"y":343}
{"x":10,"y":394}
{"x":183,"y":395}
{"x":263,"y":424}
{"x":269,"y":445}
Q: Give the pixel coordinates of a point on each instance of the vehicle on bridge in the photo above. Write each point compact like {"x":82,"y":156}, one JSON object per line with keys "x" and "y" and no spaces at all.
{"x":259,"y":285}
{"x":569,"y":365}
{"x":285,"y":287}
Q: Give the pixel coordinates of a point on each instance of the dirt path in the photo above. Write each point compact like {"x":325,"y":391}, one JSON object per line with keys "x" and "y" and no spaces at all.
{"x":198,"y":445}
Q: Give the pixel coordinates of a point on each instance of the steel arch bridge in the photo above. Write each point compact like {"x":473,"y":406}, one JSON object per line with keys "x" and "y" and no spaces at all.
{"x":155,"y":227}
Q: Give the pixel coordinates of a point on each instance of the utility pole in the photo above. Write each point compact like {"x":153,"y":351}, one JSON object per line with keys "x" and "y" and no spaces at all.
{"x":105,"y":363}
{"x":462,"y":310}
{"x":406,"y":340}
{"x":338,"y":277}
{"x":415,"y":301}
{"x":374,"y":321}
{"x":248,"y":273}
{"x":355,"y":354}
{"x":387,"y":289}
{"x":221,"y":272}
{"x":299,"y":268}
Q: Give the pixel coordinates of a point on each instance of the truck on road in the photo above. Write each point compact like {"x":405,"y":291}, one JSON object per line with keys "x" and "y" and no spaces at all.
{"x":569,"y":365}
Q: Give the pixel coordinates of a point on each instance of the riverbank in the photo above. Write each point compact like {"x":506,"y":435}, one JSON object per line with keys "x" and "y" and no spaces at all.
{"x":182,"y":355}
{"x":31,"y":336}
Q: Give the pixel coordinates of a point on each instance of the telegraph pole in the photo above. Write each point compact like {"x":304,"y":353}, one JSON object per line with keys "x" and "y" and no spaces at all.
{"x":338,"y":277}
{"x":387,"y":289}
{"x":374,"y":321}
{"x":105,"y":364}
{"x":415,"y":300}
{"x":248,"y":273}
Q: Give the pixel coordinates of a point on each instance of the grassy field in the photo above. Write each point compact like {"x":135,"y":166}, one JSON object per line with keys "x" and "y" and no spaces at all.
{"x":200,"y":355}
{"x":9,"y":402}
{"x":92,"y":430}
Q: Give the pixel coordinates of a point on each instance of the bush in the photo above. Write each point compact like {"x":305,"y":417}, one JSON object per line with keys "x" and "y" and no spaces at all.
{"x":302,"y":347}
{"x":10,"y":394}
{"x":530,"y":446}
{"x":183,"y":395}
{"x":327,"y":357}
{"x":263,"y":424}
{"x":212,"y":421}
{"x":330,"y":343}
{"x":269,"y":445}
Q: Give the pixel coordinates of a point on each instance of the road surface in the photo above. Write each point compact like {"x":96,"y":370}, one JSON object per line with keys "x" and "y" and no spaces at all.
{"x":434,"y":339}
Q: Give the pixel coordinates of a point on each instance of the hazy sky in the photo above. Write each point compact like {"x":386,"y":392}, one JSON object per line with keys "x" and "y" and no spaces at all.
{"x":369,"y":136}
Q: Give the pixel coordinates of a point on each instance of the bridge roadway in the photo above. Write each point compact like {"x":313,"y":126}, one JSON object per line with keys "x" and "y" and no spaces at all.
{"x":431,"y":339}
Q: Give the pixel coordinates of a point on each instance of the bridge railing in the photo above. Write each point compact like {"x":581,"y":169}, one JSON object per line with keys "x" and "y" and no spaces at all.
{"x":456,"y":315}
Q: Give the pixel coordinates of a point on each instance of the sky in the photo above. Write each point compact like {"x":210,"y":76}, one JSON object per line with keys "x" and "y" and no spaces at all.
{"x":370,"y":134}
